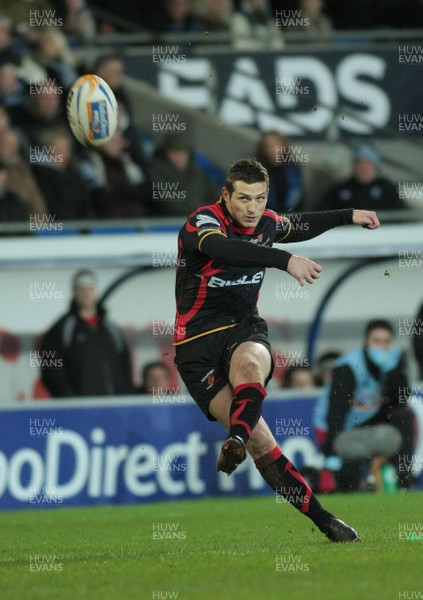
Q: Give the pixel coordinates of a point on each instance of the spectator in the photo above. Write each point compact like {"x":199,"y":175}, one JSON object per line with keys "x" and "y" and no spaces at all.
{"x":178,"y":17}
{"x":324,"y":367}
{"x":93,"y":353}
{"x":118,"y":185}
{"x":214,"y":14}
{"x":12,"y":208}
{"x":64,"y":190}
{"x":42,"y":111}
{"x":313,"y":11}
{"x":179,"y":185}
{"x":253,"y":27}
{"x":285,"y":186}
{"x":111,"y":69}
{"x":51,"y":60}
{"x":155,"y":378}
{"x":366,"y":188}
{"x":364,"y":393}
{"x":7,"y":54}
{"x":12,"y":89}
{"x":77,"y":18}
{"x":418,"y":341}
{"x":299,"y":377}
{"x":133,"y":136}
{"x":21,"y":178}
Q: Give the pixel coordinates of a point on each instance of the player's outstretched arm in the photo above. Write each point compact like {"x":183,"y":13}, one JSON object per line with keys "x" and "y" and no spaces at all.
{"x":299,"y":227}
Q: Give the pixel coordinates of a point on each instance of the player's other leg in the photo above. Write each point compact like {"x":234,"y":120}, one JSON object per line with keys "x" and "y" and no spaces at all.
{"x":249,"y":367}
{"x":281,"y":474}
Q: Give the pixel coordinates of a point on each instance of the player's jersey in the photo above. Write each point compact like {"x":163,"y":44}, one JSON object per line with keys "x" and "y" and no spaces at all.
{"x":212,"y":295}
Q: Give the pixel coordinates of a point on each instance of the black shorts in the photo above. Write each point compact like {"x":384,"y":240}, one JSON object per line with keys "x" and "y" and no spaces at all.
{"x":203,"y":364}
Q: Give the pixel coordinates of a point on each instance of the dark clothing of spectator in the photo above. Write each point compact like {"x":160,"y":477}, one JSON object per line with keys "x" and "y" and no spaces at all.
{"x":34,"y":126}
{"x":64,"y":191}
{"x":285,"y":191}
{"x":191,"y":188}
{"x":120,"y":197}
{"x":93,"y":354}
{"x":380,"y":194}
{"x":418,"y":341}
{"x":12,"y":208}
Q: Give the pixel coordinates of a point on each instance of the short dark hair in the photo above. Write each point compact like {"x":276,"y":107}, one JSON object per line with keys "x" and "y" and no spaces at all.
{"x":248,"y":170}
{"x":378,"y":324}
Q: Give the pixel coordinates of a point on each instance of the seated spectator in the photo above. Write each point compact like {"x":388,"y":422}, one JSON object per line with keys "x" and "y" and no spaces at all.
{"x":111,"y":69}
{"x":7,"y":54}
{"x":365,"y":392}
{"x":42,"y":111}
{"x":418,"y":340}
{"x":12,"y":208}
{"x":298,"y":377}
{"x":178,"y":184}
{"x":285,"y":185}
{"x":76,"y":17}
{"x":313,"y":11}
{"x":155,"y":377}
{"x":13,"y":90}
{"x":253,"y":27}
{"x":92,"y":351}
{"x":214,"y":14}
{"x":64,"y":190}
{"x":52,"y":60}
{"x":21,"y":178}
{"x":366,"y":188}
{"x":118,"y":185}
{"x":178,"y":17}
{"x":132,"y":135}
{"x":324,"y":367}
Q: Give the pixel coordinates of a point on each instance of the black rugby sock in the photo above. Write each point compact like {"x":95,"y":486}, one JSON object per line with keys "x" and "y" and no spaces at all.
{"x":283,"y":477}
{"x":246,"y":409}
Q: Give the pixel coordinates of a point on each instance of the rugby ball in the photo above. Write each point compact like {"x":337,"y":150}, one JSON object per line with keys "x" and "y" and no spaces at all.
{"x":92,"y":111}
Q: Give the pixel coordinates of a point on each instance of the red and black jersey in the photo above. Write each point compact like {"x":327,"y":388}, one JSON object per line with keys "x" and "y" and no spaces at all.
{"x":215,"y":293}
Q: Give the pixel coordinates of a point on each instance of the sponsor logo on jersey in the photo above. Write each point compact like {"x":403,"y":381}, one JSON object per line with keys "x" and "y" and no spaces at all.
{"x":259,"y":240}
{"x":217,"y":282}
{"x":205,"y":220}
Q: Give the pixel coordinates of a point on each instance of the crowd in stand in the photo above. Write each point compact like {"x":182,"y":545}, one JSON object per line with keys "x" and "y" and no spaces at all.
{"x":41,"y":165}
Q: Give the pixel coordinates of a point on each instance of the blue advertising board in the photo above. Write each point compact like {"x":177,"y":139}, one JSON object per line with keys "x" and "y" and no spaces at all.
{"x":130,"y":452}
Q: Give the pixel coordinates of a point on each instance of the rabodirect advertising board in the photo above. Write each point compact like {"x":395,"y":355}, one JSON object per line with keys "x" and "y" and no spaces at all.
{"x":133,"y":453}
{"x":360,"y":91}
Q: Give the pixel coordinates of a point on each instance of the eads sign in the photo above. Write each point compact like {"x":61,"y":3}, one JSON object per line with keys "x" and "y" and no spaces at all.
{"x":294,"y":94}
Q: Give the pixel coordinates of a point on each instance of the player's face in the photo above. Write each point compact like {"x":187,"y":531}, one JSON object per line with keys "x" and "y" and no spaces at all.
{"x":86,"y":297}
{"x":247,"y":202}
{"x":380,"y":338}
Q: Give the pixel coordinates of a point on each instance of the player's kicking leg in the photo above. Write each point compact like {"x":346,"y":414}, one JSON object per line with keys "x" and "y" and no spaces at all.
{"x":248,"y":430}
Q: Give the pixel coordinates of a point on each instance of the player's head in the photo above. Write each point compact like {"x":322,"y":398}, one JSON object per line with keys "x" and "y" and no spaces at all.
{"x":84,"y":285}
{"x":379,"y":334}
{"x":245,"y":191}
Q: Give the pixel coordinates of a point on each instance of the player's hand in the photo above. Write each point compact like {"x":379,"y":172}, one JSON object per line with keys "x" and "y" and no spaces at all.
{"x":303,"y":269}
{"x":366,"y":218}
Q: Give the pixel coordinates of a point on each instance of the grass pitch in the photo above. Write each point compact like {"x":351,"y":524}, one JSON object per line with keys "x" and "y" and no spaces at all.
{"x":212,"y":549}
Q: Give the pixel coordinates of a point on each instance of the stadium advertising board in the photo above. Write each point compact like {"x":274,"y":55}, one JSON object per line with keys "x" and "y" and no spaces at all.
{"x":357,"y":92}
{"x":134,"y":453}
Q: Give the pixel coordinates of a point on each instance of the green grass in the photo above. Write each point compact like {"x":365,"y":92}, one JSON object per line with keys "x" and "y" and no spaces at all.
{"x":227,"y":548}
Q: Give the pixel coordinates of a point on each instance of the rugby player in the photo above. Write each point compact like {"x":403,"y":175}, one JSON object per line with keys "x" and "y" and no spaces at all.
{"x":222,"y":350}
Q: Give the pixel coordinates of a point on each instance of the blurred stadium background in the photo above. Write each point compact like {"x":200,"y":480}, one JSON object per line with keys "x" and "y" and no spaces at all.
{"x":215,"y":79}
